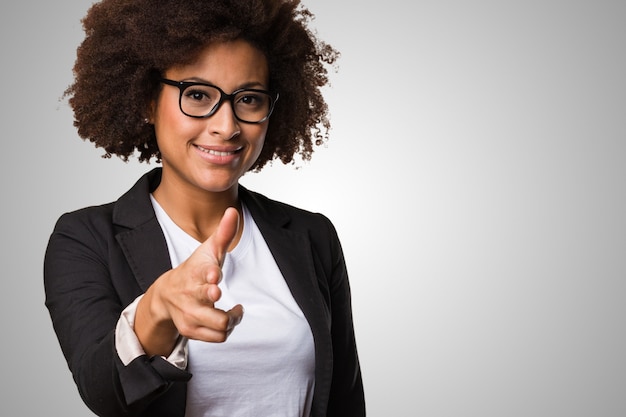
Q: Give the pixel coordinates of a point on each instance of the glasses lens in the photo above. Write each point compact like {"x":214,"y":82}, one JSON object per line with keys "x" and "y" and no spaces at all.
{"x":199,"y":100}
{"x":252,"y":106}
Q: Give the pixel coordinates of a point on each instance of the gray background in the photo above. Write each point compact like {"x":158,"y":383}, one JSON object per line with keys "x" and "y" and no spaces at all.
{"x":476,"y":174}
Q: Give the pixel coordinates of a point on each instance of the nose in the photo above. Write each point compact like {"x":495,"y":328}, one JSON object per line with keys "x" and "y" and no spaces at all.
{"x":223,"y":122}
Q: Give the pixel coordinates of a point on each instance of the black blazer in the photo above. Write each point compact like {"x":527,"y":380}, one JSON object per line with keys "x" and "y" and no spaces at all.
{"x":99,"y":259}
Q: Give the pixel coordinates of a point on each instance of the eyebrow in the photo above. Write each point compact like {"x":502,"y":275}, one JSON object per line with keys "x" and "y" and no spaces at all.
{"x":251,"y":84}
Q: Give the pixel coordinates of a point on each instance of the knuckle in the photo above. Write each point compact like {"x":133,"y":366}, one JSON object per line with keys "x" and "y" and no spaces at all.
{"x":214,"y":274}
{"x":222,"y":322}
{"x":185,"y":326}
{"x":185,"y":330}
{"x":220,"y":338}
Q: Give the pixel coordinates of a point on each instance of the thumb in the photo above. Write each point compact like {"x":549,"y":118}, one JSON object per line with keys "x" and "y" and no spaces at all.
{"x":225,"y":233}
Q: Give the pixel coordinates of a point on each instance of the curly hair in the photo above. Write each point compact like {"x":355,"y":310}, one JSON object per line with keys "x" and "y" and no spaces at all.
{"x":129,"y":44}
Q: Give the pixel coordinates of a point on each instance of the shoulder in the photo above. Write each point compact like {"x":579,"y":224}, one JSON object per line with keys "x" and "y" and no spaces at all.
{"x":133,"y":208}
{"x":89,"y":224}
{"x":273,"y":216}
{"x":280,"y":213}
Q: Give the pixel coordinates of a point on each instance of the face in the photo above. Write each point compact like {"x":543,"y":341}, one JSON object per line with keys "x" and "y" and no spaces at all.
{"x":211,"y":154}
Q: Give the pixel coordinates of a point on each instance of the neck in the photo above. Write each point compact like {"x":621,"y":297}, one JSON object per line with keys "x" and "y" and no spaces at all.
{"x":197,"y":212}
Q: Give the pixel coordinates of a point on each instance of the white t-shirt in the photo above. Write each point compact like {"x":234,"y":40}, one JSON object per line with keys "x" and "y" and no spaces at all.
{"x":267,"y":365}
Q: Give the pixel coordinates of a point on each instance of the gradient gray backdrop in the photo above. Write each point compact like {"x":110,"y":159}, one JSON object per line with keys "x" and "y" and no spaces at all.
{"x":476,"y":174}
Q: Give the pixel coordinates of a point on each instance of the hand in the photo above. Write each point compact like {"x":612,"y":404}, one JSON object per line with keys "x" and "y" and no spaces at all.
{"x":182,"y":301}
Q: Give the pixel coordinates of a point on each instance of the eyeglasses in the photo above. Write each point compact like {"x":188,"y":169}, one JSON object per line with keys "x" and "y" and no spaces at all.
{"x":201,"y":100}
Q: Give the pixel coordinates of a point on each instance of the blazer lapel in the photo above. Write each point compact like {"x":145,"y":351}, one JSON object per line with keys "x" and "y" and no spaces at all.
{"x":140,"y":236}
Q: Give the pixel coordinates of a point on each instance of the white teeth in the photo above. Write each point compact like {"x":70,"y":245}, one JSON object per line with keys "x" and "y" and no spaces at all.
{"x":212,"y":152}
{"x":220,"y":153}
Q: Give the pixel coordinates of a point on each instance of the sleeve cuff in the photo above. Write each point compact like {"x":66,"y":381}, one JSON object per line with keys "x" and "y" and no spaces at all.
{"x":128,"y":347}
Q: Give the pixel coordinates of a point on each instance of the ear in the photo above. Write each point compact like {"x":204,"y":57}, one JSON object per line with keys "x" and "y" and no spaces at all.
{"x":150,"y":112}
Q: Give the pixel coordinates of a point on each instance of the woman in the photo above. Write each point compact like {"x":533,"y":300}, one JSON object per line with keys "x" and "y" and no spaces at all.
{"x":147,"y":294}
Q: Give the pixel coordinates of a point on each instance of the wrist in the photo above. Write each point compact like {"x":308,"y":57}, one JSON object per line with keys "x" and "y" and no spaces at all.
{"x":153,"y":325}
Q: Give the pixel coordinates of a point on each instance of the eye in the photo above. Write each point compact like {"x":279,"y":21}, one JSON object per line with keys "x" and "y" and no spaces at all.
{"x":195,"y":94}
{"x":251,"y":99}
{"x":200,"y":96}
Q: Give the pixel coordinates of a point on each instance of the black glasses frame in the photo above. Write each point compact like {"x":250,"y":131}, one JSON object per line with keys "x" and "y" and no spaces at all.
{"x":183,"y":85}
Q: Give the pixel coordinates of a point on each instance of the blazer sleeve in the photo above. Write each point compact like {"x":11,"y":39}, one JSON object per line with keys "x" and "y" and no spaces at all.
{"x":346,"y":393}
{"x":86,"y":290}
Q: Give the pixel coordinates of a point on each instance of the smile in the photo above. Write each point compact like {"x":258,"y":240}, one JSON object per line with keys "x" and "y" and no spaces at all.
{"x":217,"y":153}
